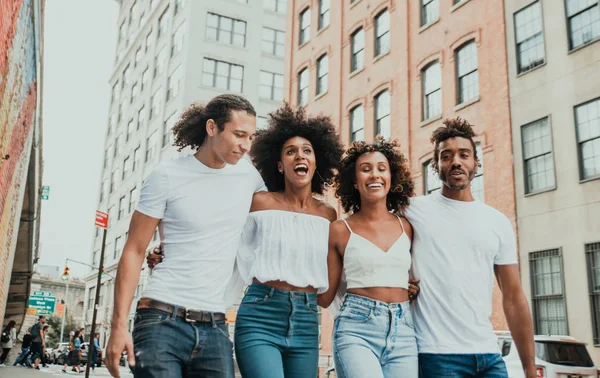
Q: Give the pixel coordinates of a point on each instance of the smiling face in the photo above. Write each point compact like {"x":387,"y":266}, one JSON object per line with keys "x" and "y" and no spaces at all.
{"x":373,"y":176}
{"x":298,"y":163}
{"x":456,"y":165}
{"x":232,"y":143}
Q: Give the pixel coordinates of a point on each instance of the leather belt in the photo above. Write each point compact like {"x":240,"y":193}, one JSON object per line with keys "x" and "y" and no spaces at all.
{"x":190,"y":316}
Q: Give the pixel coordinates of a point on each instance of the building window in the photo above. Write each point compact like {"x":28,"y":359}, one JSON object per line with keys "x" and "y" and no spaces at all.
{"x":303,"y":87}
{"x":466,"y":72}
{"x":130,"y":130}
{"x":222,"y":75}
{"x":304,"y":26}
{"x":148,"y":40}
{"x":432,"y":90}
{"x":173,"y":84}
{"x":156,"y":98}
{"x":104,"y":190}
{"x":179,"y":5}
{"x":324,"y":6}
{"x":279,"y":6}
{"x":587,"y":119}
{"x":322,"y":73}
{"x":137,"y":156}
{"x":430,"y":11}
{"x":357,"y":123}
{"x":271,"y":86}
{"x":111,"y":218}
{"x":432,"y":182}
{"x":138,"y":56}
{"x":584,"y":21}
{"x":119,"y":145}
{"x":91,"y":298}
{"x":151,"y":146}
{"x":112,"y":124}
{"x":226,"y":30}
{"x":145,"y":78}
{"x":126,"y":167}
{"x":357,"y":41}
{"x":114,"y":179}
{"x":382,"y":114}
{"x":273,"y":42}
{"x":537,"y":156}
{"x":133,"y":197}
{"x":134,"y":91}
{"x":549,"y":307}
{"x":168,"y":126}
{"x":160,"y":61}
{"x":115,"y":92}
{"x":529,"y":37}
{"x":593,"y":264}
{"x":122,"y":207}
{"x":382,"y":33}
{"x":178,"y":37}
{"x":163,"y":23}
{"x":141,"y":118}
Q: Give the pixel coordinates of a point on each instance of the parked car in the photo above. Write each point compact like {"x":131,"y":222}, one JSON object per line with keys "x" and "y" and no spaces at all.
{"x":555,"y":357}
{"x":62,"y":349}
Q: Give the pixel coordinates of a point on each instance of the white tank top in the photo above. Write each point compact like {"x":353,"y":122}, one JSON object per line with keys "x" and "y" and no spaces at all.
{"x":367,"y":265}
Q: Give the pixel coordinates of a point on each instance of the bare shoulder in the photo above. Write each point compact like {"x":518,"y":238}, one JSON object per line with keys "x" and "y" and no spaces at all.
{"x":337,"y":230}
{"x":262,"y":201}
{"x":327,"y":211}
{"x":407,"y":227}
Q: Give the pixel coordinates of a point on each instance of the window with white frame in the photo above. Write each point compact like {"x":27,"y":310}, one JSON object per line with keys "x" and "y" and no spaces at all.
{"x":104,"y":190}
{"x":178,"y":38}
{"x":145,"y":78}
{"x":179,"y":5}
{"x":111,"y":218}
{"x":126,"y":167}
{"x":357,"y":123}
{"x":122,"y":207}
{"x":382,"y":114}
{"x":357,"y":42}
{"x":141,"y":120}
{"x":431,"y":77}
{"x":226,"y":30}
{"x":133,"y":198}
{"x":137,"y":158}
{"x":303,"y":80}
{"x":324,"y":6}
{"x":583,"y":21}
{"x":112,"y":124}
{"x":160,"y":62}
{"x":273,"y":41}
{"x":151,"y":146}
{"x":432,"y":183}
{"x":592,"y":252}
{"x":142,"y":18}
{"x":148,"y":40}
{"x":222,"y":75}
{"x":135,"y":91}
{"x":130,"y":129}
{"x":156,"y":99}
{"x":382,"y":33}
{"x":537,"y":156}
{"x":163,"y":23}
{"x":466,"y":72}
{"x":173,"y":83}
{"x":548,"y":297}
{"x":138,"y":56}
{"x":91,"y":298}
{"x":114,"y":179}
{"x":168,"y":126}
{"x":322,"y":74}
{"x":304,"y":26}
{"x":587,"y":120}
{"x":430,"y":11}
{"x":279,"y":6}
{"x":271,"y":86}
{"x":529,"y":37}
{"x":119,"y":144}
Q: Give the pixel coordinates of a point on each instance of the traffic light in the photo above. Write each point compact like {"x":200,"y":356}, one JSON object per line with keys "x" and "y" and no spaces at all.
{"x":102,"y":272}
{"x":65,"y":275}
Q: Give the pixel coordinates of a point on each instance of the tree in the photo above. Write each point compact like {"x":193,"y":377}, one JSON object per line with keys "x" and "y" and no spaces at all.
{"x":54,"y":331}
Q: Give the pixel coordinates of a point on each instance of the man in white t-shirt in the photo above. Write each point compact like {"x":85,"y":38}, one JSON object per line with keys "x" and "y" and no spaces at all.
{"x":458,"y":245}
{"x":199,"y":204}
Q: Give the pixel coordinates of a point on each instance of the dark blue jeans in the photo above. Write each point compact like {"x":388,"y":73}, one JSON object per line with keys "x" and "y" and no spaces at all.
{"x":461,"y":366}
{"x":277,"y":334}
{"x":169,"y":347}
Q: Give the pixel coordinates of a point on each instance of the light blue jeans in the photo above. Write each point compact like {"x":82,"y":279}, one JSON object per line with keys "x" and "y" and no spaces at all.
{"x":374,"y":339}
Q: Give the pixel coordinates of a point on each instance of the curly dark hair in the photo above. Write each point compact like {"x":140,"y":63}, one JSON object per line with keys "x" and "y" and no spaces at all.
{"x":286,"y":123}
{"x":452,"y":128}
{"x":190,"y":130}
{"x":402,"y":185}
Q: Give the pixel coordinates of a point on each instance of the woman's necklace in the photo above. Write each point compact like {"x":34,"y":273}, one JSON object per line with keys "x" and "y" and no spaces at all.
{"x":292,"y":211}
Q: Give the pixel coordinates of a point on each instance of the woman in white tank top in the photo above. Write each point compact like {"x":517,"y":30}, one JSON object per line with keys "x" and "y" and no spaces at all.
{"x":373,"y":331}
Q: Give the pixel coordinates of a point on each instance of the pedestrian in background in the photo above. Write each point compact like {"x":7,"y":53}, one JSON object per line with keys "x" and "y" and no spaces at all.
{"x":8,"y":340}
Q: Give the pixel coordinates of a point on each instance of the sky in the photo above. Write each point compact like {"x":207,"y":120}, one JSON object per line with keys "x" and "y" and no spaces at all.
{"x":79,"y":52}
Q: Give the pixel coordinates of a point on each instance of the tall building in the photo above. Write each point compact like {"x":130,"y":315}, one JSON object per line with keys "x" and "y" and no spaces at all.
{"x":553,"y":54}
{"x":21,"y":145}
{"x":397,"y":68}
{"x":171,"y":53}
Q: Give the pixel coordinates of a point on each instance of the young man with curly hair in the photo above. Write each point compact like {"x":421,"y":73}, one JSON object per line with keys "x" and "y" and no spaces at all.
{"x":199,"y":204}
{"x":459,"y":244}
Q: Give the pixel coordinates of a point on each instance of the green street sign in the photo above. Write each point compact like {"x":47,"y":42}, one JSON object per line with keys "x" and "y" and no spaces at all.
{"x":45,"y":192}
{"x":44,"y":305}
{"x":42,"y":293}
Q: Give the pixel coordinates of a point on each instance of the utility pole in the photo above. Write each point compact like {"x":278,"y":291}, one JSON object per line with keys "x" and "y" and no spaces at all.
{"x":62,"y":324}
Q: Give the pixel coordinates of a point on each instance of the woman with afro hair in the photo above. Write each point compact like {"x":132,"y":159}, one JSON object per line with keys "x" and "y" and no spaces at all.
{"x":373,"y":333}
{"x":283,"y":250}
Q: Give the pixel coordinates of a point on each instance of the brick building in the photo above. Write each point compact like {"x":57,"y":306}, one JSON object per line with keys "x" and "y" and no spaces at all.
{"x":397,"y":68}
{"x":21,"y":52}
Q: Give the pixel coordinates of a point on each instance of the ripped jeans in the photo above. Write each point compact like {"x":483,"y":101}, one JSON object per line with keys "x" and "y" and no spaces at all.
{"x":169,"y":347}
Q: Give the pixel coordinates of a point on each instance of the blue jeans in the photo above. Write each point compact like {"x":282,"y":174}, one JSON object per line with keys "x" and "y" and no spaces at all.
{"x":374,"y":339}
{"x":24,"y":352}
{"x":277,"y":334}
{"x":461,"y":366}
{"x":167,"y":346}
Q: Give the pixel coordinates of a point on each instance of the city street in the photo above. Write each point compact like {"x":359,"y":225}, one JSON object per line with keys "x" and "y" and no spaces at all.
{"x":54,"y":370}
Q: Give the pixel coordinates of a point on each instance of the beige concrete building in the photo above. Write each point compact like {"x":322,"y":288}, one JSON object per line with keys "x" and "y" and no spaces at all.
{"x":554,"y":79}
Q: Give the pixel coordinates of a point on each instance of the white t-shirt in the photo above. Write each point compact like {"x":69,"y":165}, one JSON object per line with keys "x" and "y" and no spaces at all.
{"x":203,"y":212}
{"x":455,"y":247}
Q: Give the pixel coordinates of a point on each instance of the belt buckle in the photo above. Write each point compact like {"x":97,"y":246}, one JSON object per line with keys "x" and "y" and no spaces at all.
{"x":187,"y":318}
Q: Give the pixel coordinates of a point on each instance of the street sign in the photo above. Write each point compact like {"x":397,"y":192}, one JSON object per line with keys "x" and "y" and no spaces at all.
{"x":45,"y":192}
{"x":60,"y":308}
{"x":44,"y":305}
{"x":42,"y":293}
{"x":101,"y":219}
